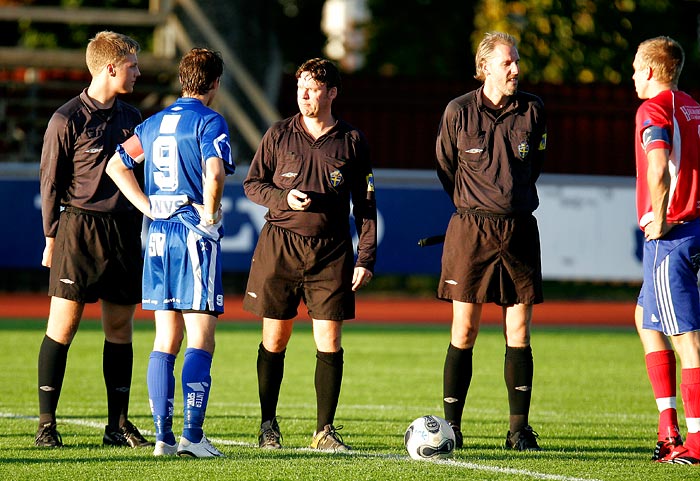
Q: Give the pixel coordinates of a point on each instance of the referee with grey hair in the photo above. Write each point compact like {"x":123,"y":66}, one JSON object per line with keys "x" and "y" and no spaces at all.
{"x":490,"y":148}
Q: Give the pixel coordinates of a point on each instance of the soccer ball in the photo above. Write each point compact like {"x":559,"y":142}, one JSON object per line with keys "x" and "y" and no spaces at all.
{"x":429,"y":437}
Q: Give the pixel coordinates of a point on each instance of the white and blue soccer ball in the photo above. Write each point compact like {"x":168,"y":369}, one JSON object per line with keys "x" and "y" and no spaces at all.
{"x":429,"y":437}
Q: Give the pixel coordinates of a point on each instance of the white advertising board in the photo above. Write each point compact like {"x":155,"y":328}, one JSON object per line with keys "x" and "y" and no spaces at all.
{"x":588,"y":228}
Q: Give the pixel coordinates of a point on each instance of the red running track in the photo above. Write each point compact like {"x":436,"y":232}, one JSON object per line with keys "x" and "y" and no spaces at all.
{"x":374,"y":310}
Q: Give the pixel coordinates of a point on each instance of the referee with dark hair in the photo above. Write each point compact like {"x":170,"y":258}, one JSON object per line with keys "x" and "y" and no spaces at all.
{"x":306,"y":171}
{"x":490,"y":149}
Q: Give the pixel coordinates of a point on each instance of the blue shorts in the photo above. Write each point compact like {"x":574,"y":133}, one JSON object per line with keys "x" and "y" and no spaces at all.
{"x":669,"y":294}
{"x":182,"y":270}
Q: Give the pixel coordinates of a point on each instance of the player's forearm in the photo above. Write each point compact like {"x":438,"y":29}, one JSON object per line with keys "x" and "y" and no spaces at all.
{"x":659,"y":181}
{"x":367,"y":243}
{"x":49,"y":186}
{"x":446,"y":170}
{"x":50,"y":211}
{"x":266,"y":194}
{"x":126,"y":182}
{"x":215,"y":178}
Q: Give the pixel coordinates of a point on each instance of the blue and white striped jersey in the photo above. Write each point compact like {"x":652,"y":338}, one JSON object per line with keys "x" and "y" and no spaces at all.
{"x":176,"y":142}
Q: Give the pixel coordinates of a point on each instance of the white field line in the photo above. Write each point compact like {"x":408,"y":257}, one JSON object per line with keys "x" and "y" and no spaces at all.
{"x":349,"y":409}
{"x":446,"y":462}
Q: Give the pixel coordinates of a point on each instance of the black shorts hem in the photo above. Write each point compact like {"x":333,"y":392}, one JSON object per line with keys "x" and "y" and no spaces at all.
{"x":498,"y":302}
{"x":260,"y":313}
{"x":336,"y":318}
{"x":68,"y":297}
{"x":290,"y":316}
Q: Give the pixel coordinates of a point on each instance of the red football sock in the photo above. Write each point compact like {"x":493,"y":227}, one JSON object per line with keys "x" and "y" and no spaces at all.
{"x":690,"y":391}
{"x":661,"y":368}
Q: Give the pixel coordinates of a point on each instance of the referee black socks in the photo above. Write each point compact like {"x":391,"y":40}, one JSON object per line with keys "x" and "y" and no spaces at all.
{"x":270,"y":367}
{"x":52,"y":369}
{"x":456,"y":380}
{"x":328,"y":378}
{"x":518,"y":372}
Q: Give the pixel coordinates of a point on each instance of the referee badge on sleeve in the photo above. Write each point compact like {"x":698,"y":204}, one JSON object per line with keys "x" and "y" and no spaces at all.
{"x":370,"y":183}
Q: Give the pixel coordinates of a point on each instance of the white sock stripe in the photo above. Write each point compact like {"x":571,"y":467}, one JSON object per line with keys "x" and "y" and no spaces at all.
{"x":664,"y":403}
{"x":693,"y":425}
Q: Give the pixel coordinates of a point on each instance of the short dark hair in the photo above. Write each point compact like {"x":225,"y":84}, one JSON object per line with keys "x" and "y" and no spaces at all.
{"x":198,"y":70}
{"x":322,"y":71}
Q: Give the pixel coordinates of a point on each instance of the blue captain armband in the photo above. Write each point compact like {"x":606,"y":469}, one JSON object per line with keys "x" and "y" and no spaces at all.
{"x":655,"y":135}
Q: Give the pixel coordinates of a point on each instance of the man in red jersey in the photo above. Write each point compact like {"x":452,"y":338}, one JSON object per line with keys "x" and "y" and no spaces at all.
{"x":668,"y":309}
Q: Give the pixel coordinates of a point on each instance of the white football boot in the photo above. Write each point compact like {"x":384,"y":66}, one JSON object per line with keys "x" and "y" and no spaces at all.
{"x":202,"y":449}
{"x":164,"y":449}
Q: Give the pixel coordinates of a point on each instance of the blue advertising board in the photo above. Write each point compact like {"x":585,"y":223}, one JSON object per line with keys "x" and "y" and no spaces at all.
{"x":573,"y":211}
{"x":408,"y":211}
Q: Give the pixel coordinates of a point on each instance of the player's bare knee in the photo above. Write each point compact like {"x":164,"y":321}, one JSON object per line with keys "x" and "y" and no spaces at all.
{"x":118,"y":331}
{"x":170,"y":345}
{"x":275,"y":344}
{"x":463,"y":336}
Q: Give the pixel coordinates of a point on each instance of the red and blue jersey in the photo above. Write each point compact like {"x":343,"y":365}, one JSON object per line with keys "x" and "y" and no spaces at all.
{"x":670,"y":121}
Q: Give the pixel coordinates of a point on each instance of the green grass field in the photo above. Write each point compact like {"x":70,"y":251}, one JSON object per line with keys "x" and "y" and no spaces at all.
{"x":592,"y":406}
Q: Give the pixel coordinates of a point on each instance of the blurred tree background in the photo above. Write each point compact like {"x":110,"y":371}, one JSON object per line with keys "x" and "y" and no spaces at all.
{"x":407,"y":59}
{"x":26,"y":33}
{"x":560,"y":41}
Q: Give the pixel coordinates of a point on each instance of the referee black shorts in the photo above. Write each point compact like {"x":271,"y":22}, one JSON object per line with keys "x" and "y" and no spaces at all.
{"x":490,"y":258}
{"x":97,"y":255}
{"x":288,"y":268}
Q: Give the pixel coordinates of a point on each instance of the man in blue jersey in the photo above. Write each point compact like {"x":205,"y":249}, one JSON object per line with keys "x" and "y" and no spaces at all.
{"x":187,"y":155}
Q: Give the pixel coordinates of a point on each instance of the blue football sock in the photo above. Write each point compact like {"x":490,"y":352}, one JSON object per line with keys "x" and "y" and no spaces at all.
{"x":196,"y":382}
{"x":161,"y":393}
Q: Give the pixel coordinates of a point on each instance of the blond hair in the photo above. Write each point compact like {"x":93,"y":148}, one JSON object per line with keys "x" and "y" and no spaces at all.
{"x":665,"y":56}
{"x":108,"y":48}
{"x":486,"y":47}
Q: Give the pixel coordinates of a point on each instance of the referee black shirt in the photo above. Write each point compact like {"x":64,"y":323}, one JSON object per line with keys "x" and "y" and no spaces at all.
{"x":79,"y":140}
